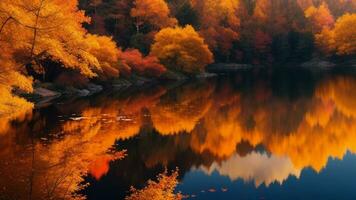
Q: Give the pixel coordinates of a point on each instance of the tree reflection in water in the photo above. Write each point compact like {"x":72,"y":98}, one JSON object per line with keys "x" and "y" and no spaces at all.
{"x":257,"y":126}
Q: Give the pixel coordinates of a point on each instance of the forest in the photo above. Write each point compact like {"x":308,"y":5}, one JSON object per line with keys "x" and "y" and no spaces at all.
{"x":177,"y":99}
{"x":75,"y":43}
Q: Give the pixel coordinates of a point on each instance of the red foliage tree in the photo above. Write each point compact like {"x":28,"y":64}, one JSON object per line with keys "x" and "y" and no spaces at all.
{"x":145,"y":66}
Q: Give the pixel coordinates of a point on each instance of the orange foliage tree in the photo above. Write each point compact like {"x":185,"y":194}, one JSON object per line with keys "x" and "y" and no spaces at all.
{"x":262,"y":11}
{"x":153,"y":12}
{"x":219,"y":23}
{"x":319,"y":17}
{"x":181,"y":49}
{"x":341,"y":39}
{"x":277,"y":16}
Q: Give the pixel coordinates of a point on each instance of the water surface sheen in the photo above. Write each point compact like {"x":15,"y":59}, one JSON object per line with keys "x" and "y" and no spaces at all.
{"x":254,"y":134}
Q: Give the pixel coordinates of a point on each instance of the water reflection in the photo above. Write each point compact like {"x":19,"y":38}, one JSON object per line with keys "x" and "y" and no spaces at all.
{"x":256,"y":126}
{"x":257,"y":167}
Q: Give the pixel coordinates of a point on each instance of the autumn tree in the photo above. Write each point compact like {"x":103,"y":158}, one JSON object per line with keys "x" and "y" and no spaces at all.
{"x":340,"y":7}
{"x":219,"y":23}
{"x":12,"y":75}
{"x":263,"y":10}
{"x":325,"y":41}
{"x":320,"y":17}
{"x":12,"y":78}
{"x":11,"y":105}
{"x":106,"y":53}
{"x":284,"y":23}
{"x":145,"y":66}
{"x":93,"y":9}
{"x":45,"y":25}
{"x":218,"y":12}
{"x":341,"y":39}
{"x":50,"y":29}
{"x":48,"y":32}
{"x":345,"y":34}
{"x":278,"y":16}
{"x":181,"y":49}
{"x":153,"y":12}
{"x":184,"y":12}
{"x":111,"y":15}
{"x":305,"y":4}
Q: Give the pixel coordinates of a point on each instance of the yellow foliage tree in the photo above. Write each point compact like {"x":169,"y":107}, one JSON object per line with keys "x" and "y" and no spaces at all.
{"x":10,"y":78}
{"x":181,"y":49}
{"x":107,"y":54}
{"x":11,"y":105}
{"x":325,"y":41}
{"x":345,"y":34}
{"x":31,"y":31}
{"x":50,"y":29}
{"x":341,"y":39}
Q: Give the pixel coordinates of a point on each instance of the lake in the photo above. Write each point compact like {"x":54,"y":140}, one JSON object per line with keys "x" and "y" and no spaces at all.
{"x":285,"y":133}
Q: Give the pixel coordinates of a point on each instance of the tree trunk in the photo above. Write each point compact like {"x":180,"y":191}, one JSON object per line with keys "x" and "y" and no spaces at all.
{"x":95,"y":18}
{"x":35,"y":29}
{"x":137,"y":28}
{"x":5,"y":22}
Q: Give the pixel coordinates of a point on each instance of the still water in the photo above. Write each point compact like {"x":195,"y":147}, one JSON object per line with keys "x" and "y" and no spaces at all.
{"x":255,"y":134}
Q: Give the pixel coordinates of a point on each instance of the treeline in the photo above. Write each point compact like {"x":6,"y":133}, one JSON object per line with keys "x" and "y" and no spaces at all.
{"x":70,"y":42}
{"x":247,"y":31}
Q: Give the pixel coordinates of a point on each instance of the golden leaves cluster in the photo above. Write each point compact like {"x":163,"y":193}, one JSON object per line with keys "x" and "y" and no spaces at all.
{"x":181,"y":49}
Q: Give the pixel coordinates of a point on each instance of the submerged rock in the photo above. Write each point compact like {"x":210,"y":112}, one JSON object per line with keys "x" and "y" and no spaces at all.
{"x":173,"y":75}
{"x":318,"y":63}
{"x":43,"y":96}
{"x":43,"y":92}
{"x":139,"y":80}
{"x":93,"y":88}
{"x":83,"y":93}
{"x":206,"y":75}
{"x":121,"y":84}
{"x":227,"y":67}
{"x":89,"y":90}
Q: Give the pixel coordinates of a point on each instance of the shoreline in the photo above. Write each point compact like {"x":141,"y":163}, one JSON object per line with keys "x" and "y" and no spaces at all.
{"x":45,"y":93}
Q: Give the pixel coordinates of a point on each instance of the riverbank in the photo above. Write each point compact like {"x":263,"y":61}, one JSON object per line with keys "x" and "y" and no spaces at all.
{"x":45,"y":93}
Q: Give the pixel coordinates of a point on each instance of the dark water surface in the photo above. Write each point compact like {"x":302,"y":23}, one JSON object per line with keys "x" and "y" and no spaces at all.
{"x":255,"y":134}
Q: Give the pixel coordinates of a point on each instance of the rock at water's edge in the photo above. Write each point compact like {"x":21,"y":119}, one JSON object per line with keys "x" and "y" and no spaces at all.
{"x":43,"y":92}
